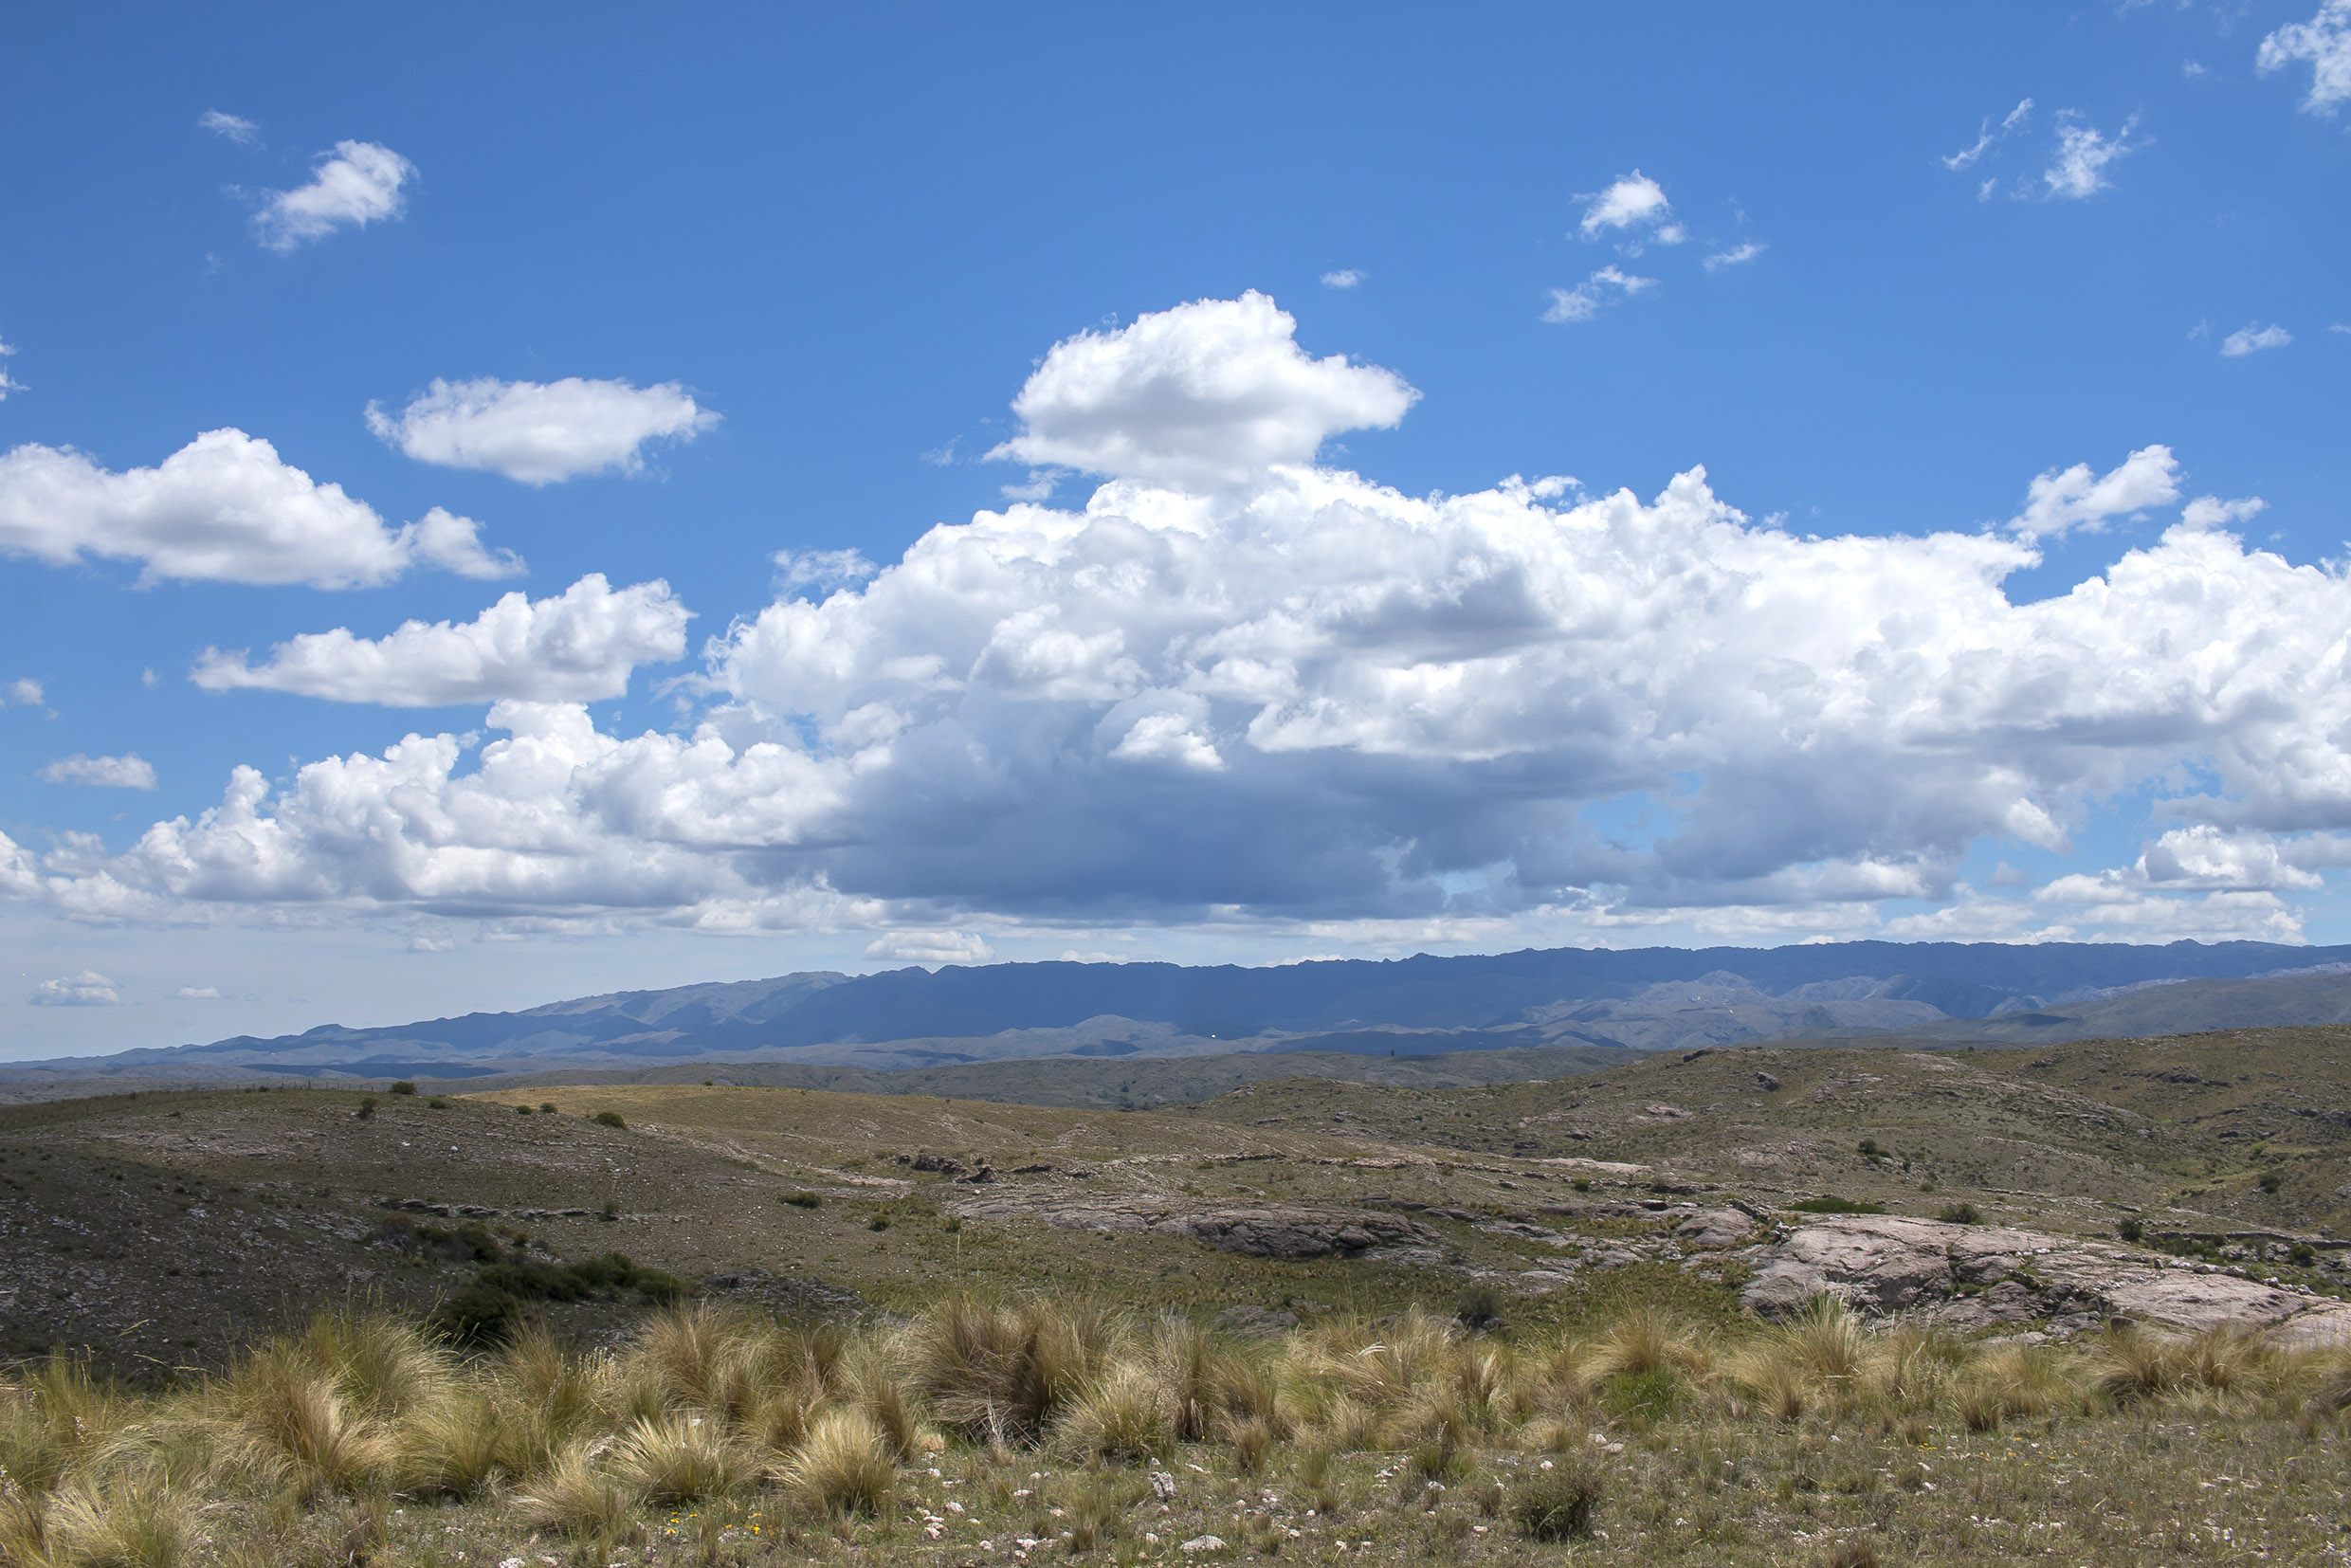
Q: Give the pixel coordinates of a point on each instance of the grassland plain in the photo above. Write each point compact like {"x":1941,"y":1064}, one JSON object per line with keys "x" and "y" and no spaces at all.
{"x":159,"y":1237}
{"x":1046,"y":1430}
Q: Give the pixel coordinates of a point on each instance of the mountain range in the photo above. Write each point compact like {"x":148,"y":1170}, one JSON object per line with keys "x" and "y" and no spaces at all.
{"x":1652,"y":998}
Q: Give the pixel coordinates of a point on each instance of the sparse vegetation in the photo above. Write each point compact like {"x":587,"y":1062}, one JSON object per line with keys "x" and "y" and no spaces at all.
{"x":1960,"y":1213}
{"x":607,"y":1119}
{"x":402,"y":1086}
{"x":1042,"y":1421}
{"x":1830,"y":1204}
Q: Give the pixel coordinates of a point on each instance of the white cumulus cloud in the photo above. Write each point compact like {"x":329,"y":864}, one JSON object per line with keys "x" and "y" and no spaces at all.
{"x":88,"y":988}
{"x":1734,"y":257}
{"x":1584,"y":300}
{"x":1634,"y":204}
{"x":932,"y":947}
{"x":1311,"y":700}
{"x":1208,"y":394}
{"x":24,"y":692}
{"x":197,"y":994}
{"x":579,"y":647}
{"x":2325,"y":43}
{"x":358,"y":184}
{"x":2253,"y":338}
{"x":9,"y":383}
{"x":1346,"y":277}
{"x":2079,"y":168}
{"x":222,"y":508}
{"x":2065,"y":499}
{"x":537,"y":433}
{"x":131,"y":771}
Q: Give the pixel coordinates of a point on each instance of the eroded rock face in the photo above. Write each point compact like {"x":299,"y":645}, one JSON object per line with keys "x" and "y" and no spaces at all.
{"x":1257,"y":1231}
{"x":1974,"y":1276}
{"x":1715,"y":1228}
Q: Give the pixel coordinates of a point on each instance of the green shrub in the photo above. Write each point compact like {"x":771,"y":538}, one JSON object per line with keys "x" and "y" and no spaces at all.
{"x":609,"y":1118}
{"x":2131,"y":1231}
{"x":2270,"y":1181}
{"x":1478,"y":1305}
{"x":522,"y":1110}
{"x":546,"y":1107}
{"x":1870,"y":1149}
{"x":879,"y":1222}
{"x":804,"y":1201}
{"x":1961,"y":1214}
{"x":439,"y":1103}
{"x":1829,"y":1204}
{"x":366,"y":1107}
{"x":496,"y":1303}
{"x":402,"y":1086}
{"x":1644,"y":1394}
{"x":1557,"y":1503}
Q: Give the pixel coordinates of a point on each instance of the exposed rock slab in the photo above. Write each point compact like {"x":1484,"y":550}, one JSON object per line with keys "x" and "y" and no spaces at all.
{"x":1258,"y":1230}
{"x":1971,"y":1276}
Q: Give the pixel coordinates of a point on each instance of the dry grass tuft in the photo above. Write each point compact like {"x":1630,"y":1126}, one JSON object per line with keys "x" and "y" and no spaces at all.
{"x":679,"y":1459}
{"x":574,"y":1495}
{"x":1000,"y":1374}
{"x":845,"y":1467}
{"x":125,"y":1523}
{"x":1122,"y":1416}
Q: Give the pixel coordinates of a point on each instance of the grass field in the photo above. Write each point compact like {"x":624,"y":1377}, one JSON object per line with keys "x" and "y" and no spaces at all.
{"x":161,"y":1240}
{"x":1051,"y":1428}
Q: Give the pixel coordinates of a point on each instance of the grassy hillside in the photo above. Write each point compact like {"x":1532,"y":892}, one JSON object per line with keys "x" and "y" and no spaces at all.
{"x":1107,"y":1085}
{"x":156,"y":1229}
{"x":159,"y":1237}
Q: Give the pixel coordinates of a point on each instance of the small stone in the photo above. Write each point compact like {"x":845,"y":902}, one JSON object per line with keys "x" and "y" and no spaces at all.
{"x":1202,"y":1543}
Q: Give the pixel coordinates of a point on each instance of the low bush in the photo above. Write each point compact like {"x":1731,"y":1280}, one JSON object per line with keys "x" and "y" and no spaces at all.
{"x":1561,"y":1500}
{"x":1827,"y":1203}
{"x":804,"y":1201}
{"x":1961,"y":1214}
{"x":494,"y":1305}
{"x":609,"y":1118}
{"x":402,"y":1086}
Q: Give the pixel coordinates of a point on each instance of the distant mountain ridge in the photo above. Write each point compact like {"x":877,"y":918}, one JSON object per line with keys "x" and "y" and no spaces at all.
{"x":1657,"y":998}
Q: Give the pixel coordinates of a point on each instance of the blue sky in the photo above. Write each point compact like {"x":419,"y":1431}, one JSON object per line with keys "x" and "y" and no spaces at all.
{"x":1258,"y":658}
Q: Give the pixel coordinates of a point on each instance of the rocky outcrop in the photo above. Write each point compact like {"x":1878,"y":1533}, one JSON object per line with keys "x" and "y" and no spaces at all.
{"x":1259,"y":1230}
{"x":1715,"y":1228}
{"x":1972,"y":1276}
{"x":792,"y":1295}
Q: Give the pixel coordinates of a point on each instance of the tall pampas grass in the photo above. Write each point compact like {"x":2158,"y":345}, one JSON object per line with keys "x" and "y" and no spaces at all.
{"x":844,"y":1466}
